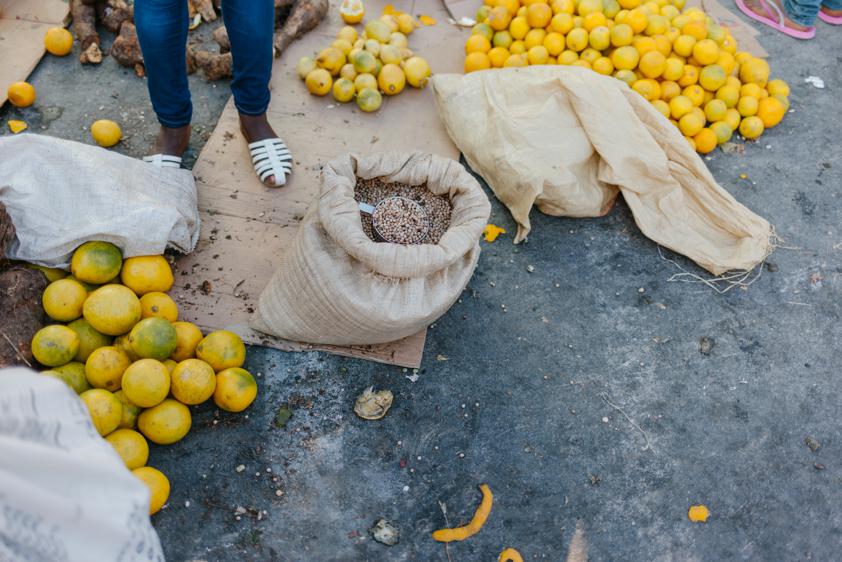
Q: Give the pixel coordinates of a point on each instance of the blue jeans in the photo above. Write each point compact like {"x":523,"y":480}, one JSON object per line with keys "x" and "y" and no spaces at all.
{"x":805,"y":12}
{"x":162,"y":32}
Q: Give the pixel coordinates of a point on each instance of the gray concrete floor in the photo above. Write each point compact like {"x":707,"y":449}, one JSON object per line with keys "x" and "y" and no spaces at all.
{"x":588,"y":398}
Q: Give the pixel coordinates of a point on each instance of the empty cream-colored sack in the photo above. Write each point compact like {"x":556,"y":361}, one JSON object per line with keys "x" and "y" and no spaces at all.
{"x":335,"y":286}
{"x":566,"y":139}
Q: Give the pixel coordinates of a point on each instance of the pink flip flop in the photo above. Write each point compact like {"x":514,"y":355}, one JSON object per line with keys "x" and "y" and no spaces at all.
{"x":775,"y":20}
{"x":832,"y":20}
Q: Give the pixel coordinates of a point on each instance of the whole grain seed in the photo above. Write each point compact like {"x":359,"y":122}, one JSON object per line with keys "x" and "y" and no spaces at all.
{"x":437,"y":207}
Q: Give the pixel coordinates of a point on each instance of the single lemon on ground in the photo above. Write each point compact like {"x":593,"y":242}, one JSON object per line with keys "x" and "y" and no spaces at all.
{"x":165,"y":423}
{"x":221,"y":350}
{"x":146,"y":382}
{"x":55,"y":345}
{"x":158,"y":305}
{"x":235,"y":389}
{"x":391,"y":79}
{"x":106,"y":133}
{"x":193,"y":381}
{"x":131,"y":446}
{"x":63,"y":300}
{"x":369,"y":100}
{"x":112,"y":310}
{"x":96,"y":262}
{"x":154,"y":479}
{"x":318,"y":82}
{"x":188,"y":337}
{"x":21,"y":94}
{"x":58,"y":41}
{"x":104,"y":408}
{"x":105,"y":367}
{"x":89,"y":339}
{"x":130,"y":411}
{"x":145,"y":274}
{"x":154,"y":338}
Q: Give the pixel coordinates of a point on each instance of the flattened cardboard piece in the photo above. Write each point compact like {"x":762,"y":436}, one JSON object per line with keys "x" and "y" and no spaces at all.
{"x":23,"y":24}
{"x":247,"y":226}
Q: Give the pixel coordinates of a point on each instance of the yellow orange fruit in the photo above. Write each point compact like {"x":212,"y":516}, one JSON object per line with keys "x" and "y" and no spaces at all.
{"x":705,"y":141}
{"x":319,"y":82}
{"x":365,"y":81}
{"x":188,"y":337}
{"x":538,"y":15}
{"x":104,"y":408}
{"x":691,"y":124}
{"x":112,"y":309}
{"x":235,"y":389}
{"x":603,"y":65}
{"x":722,"y":130}
{"x":222,"y":349}
{"x":728,"y":94}
{"x":652,"y":64}
{"x":130,"y":411}
{"x":477,"y":43}
{"x":561,"y":23}
{"x":131,"y":446}
{"x":648,"y":88}
{"x":105,"y":367}
{"x":662,"y":107}
{"x":351,"y":11}
{"x":777,"y":87}
{"x":683,"y":46}
{"x":193,"y":381}
{"x":369,"y":100}
{"x":147,"y":274}
{"x":154,"y":479}
{"x":63,"y":300}
{"x":625,"y":58}
{"x":770,"y":111}
{"x":106,"y":133}
{"x":96,"y":262}
{"x":21,"y":94}
{"x":417,"y":71}
{"x":89,"y":339}
{"x":733,"y":118}
{"x":712,"y":77}
{"x":165,"y":423}
{"x":537,"y":55}
{"x":554,"y":44}
{"x":499,"y":18}
{"x":715,"y":110}
{"x":673,"y":69}
{"x":477,"y":61}
{"x":680,"y":106}
{"x":146,"y":382}
{"x":695,"y":94}
{"x":621,"y":35}
{"x":73,"y":374}
{"x":55,"y":345}
{"x":343,"y":92}
{"x":751,"y":127}
{"x":754,"y":71}
{"x":669,"y":90}
{"x":154,"y":338}
{"x":159,"y":305}
{"x":747,"y":106}
{"x":58,"y":41}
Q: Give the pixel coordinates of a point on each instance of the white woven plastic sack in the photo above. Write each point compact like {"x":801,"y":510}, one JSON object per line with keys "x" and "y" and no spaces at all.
{"x":65,"y":494}
{"x":61,"y":193}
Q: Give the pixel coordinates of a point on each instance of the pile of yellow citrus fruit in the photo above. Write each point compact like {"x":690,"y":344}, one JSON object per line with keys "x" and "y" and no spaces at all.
{"x":118,"y":343}
{"x":363,"y":66}
{"x":679,"y":59}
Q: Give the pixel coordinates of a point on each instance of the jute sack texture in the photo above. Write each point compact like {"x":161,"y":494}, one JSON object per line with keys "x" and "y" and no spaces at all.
{"x":566,"y":139}
{"x":336,"y":286}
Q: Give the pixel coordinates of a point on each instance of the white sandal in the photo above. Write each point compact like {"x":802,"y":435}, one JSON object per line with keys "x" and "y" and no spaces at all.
{"x":271,"y":157}
{"x":163,"y":160}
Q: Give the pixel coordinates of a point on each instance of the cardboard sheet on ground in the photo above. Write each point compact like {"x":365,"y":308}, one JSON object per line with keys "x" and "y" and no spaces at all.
{"x":23,"y":24}
{"x":246,"y":226}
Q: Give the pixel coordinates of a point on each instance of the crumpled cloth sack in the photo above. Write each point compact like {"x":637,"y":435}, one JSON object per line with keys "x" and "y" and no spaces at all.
{"x":336,"y":286}
{"x":61,"y":194}
{"x":65,"y":494}
{"x":566,"y":139}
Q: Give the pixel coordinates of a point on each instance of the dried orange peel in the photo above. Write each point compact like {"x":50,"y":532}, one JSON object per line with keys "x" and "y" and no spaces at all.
{"x":492,"y":231}
{"x":698,"y":513}
{"x":510,"y":555}
{"x":476,"y":523}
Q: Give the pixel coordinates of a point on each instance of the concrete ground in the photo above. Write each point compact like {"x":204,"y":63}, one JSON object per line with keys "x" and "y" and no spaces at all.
{"x":601,"y":392}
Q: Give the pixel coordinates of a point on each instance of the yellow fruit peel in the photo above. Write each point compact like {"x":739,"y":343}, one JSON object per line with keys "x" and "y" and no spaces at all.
{"x":427,"y":20}
{"x":17,"y":126}
{"x":510,"y":555}
{"x":698,"y":514}
{"x":492,"y":231}
{"x":476,"y":523}
{"x":389,"y":10}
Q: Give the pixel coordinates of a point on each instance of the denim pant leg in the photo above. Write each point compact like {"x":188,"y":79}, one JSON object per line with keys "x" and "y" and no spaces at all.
{"x":162,"y":33}
{"x":832,"y":4}
{"x":251,"y":26}
{"x":802,"y":12}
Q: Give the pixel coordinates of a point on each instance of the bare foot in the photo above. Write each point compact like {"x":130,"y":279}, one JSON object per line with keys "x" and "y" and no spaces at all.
{"x":831,"y":13}
{"x":756,"y":7}
{"x":256,"y":128}
{"x":172,"y":141}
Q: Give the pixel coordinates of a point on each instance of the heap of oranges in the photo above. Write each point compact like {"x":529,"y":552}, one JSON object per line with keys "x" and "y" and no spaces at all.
{"x":118,"y":343}
{"x":680,"y":60}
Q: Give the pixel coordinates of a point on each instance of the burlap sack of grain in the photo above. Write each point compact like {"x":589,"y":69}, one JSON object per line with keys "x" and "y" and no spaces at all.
{"x":335,"y":286}
{"x":566,"y":139}
{"x":61,"y":193}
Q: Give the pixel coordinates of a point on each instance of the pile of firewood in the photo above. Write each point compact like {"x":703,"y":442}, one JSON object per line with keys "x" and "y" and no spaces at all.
{"x":21,"y":313}
{"x":293,"y":18}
